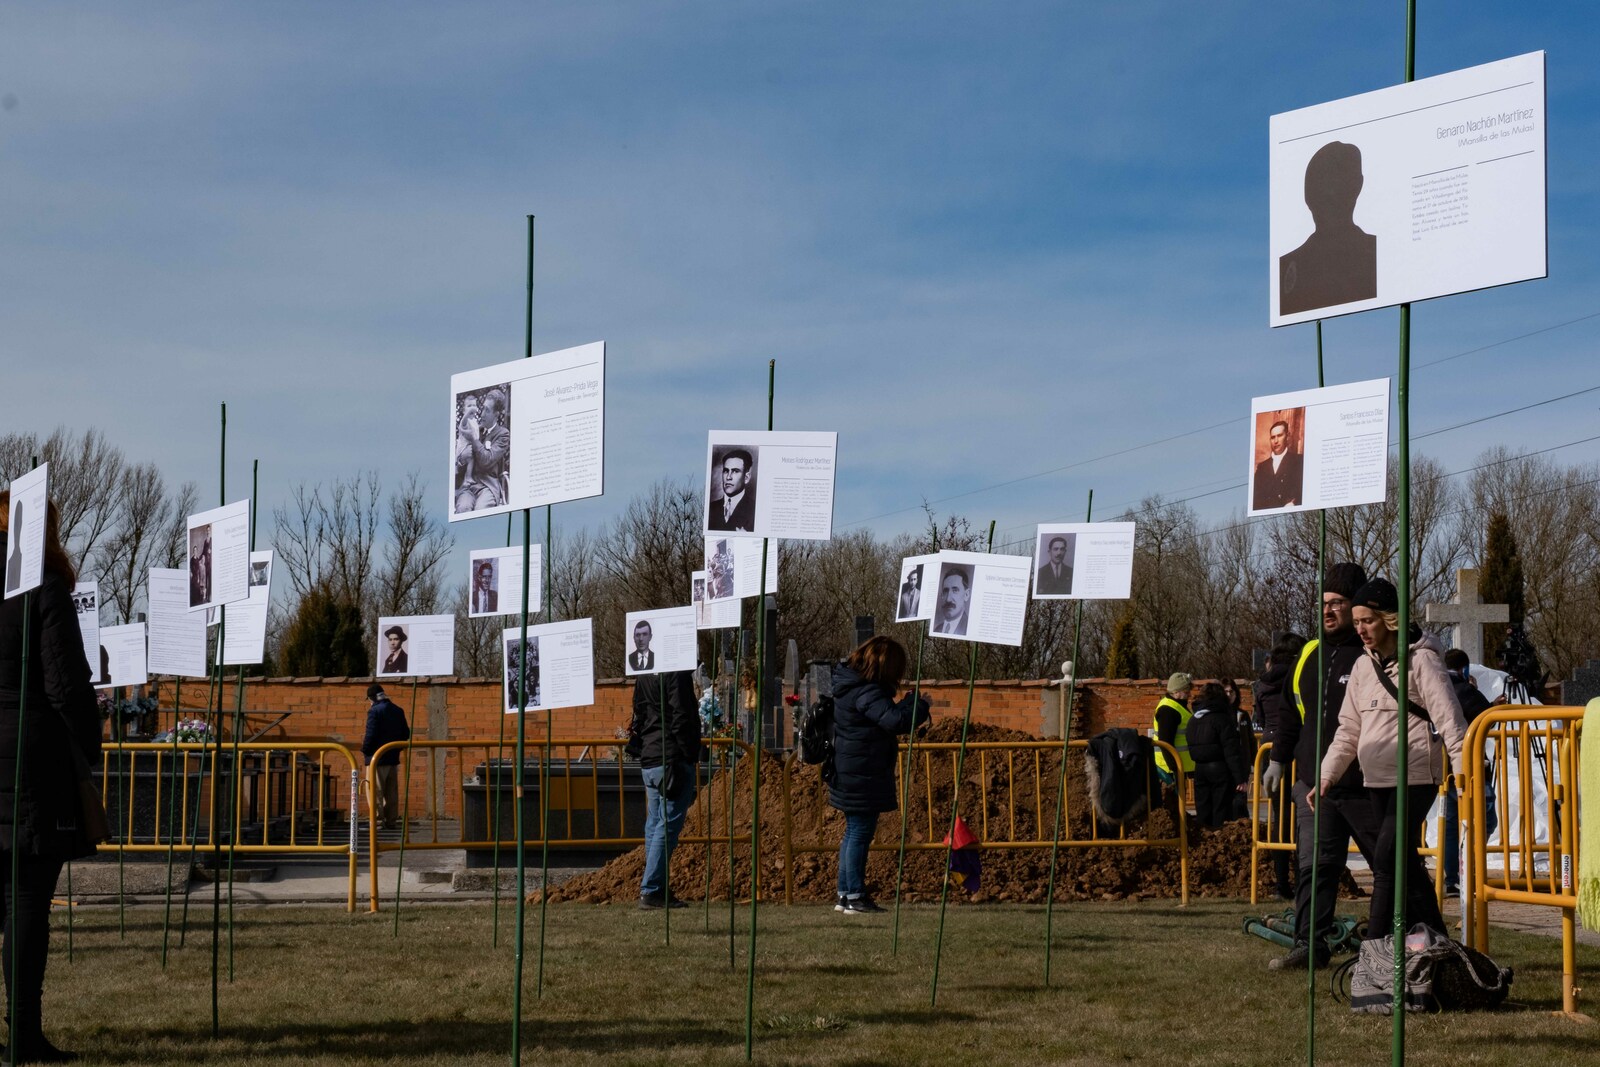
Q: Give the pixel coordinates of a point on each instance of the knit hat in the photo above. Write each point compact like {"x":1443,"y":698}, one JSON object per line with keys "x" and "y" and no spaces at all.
{"x":1378,"y":595}
{"x":374,"y":691}
{"x":1344,"y":579}
{"x":1179,"y":683}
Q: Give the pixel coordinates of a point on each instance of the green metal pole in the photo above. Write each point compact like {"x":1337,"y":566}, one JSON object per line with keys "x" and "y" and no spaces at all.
{"x":905,"y":796}
{"x":666,"y":838}
{"x":1316,"y":757}
{"x":522,"y":728}
{"x":755,"y":780}
{"x":212,"y":680}
{"x":733,"y":772}
{"x":716,"y":655}
{"x":172,"y":814}
{"x":405,"y":817}
{"x":1403,"y":651}
{"x":955,"y":806}
{"x":1061,"y":784}
{"x":238,"y":726}
{"x":544,"y":765}
{"x":16,"y":793}
{"x":495,"y":785}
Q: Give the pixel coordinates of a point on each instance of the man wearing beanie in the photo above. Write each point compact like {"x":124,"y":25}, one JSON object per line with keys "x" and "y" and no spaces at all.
{"x":1172,"y":726}
{"x":1347,"y":810}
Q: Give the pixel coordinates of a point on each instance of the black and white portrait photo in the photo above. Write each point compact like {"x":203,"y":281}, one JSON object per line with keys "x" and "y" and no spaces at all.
{"x":1278,"y":480}
{"x":1338,"y":263}
{"x":642,"y":658}
{"x":260,"y":573}
{"x":482,"y":448}
{"x":909,"y":603}
{"x":953,"y":608}
{"x":513,"y":678}
{"x":199,"y":565}
{"x":395,"y":658}
{"x":1053,"y":564}
{"x":719,"y":570}
{"x":732,"y":489}
{"x":485,"y":596}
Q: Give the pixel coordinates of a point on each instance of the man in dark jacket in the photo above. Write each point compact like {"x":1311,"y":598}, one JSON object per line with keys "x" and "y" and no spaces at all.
{"x":1219,"y":766}
{"x":664,"y":737}
{"x":385,"y":723}
{"x":1346,"y":810}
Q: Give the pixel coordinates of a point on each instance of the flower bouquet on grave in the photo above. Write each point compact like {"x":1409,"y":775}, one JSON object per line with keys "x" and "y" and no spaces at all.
{"x":192,"y":732}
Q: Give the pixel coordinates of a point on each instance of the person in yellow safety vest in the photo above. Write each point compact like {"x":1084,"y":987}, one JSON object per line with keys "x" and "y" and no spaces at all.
{"x":1172,"y":725}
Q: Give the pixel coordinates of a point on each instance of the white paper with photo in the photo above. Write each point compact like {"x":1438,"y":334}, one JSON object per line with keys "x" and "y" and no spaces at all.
{"x":560,"y":665}
{"x":772,"y":483}
{"x":1419,"y":190}
{"x":494,"y":581}
{"x":244,"y":641}
{"x":979,"y":597}
{"x":733,"y":567}
{"x":1096,"y":563}
{"x":24,"y":563}
{"x":527,"y":433}
{"x":711,"y":614}
{"x":914,"y":597}
{"x":1345,"y":446}
{"x":86,"y":602}
{"x":667,"y":641}
{"x":412,"y":645}
{"x":177,"y":635}
{"x":219,"y":555}
{"x":122,"y":650}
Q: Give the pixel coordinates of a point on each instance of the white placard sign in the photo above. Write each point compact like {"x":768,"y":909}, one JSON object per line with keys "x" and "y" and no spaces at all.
{"x":494,"y":581}
{"x":711,"y":614}
{"x":86,"y":602}
{"x":177,"y":635}
{"x":122,"y":652}
{"x":219,"y":555}
{"x":660,"y":641}
{"x":560,"y":665}
{"x":770,"y":484}
{"x":1083,"y":561}
{"x":1415,"y":191}
{"x":527,"y":433}
{"x":914,"y":601}
{"x":244,"y":639}
{"x":1319,"y":448}
{"x":410,"y":645}
{"x":979,"y":597}
{"x":733,"y":568}
{"x":30,"y":494}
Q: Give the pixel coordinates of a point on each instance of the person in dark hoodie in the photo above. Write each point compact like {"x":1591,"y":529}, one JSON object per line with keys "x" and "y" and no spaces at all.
{"x":664,"y":737}
{"x":1276,"y":704}
{"x":1219,"y":767}
{"x":1346,"y":809}
{"x":866,"y":722}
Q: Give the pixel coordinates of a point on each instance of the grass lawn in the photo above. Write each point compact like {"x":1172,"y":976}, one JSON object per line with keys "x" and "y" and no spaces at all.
{"x":1147,"y":983}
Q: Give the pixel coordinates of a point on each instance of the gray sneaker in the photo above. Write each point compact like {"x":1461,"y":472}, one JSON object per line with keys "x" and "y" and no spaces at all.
{"x":1295,"y":959}
{"x":861,"y":905}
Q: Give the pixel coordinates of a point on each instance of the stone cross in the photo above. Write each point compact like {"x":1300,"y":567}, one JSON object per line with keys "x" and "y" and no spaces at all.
{"x":1468,"y":614}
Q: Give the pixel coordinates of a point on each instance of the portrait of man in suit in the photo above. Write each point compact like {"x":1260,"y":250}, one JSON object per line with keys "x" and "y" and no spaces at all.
{"x":910,"y":595}
{"x":1054,"y":576}
{"x":1279,"y":478}
{"x":1338,"y":263}
{"x":395,"y":661}
{"x":485,"y":597}
{"x":733,"y":495}
{"x":14,"y":551}
{"x":641,"y":658}
{"x":199,"y":565}
{"x":955,"y":599}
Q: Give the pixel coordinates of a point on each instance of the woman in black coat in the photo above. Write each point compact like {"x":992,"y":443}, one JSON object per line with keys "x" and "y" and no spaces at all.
{"x":866,"y":723}
{"x":1219,"y":767}
{"x":60,"y":713}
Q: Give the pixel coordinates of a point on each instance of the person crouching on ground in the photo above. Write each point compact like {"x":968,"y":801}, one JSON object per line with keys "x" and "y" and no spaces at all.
{"x":1220,"y":772}
{"x":664,"y":737}
{"x":1369,"y":731}
{"x":866,"y":722}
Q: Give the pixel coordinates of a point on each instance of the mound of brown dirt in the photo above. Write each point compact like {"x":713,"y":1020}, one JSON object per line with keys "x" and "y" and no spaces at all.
{"x":1002,"y":797}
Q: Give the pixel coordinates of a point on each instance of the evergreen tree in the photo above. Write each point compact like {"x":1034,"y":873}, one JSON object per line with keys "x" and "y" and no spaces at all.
{"x":1122,"y":661}
{"x":1501,"y":579}
{"x":325,"y":638}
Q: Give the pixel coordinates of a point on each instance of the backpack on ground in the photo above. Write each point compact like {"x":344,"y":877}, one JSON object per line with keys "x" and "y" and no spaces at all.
{"x":816,"y":735}
{"x":1440,"y":975}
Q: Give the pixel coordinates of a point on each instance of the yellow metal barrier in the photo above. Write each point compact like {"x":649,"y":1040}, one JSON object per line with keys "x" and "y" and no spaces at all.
{"x":284,"y":800}
{"x":1027,"y":774}
{"x":586,"y":806}
{"x":1541,"y":744}
{"x":1278,"y":832}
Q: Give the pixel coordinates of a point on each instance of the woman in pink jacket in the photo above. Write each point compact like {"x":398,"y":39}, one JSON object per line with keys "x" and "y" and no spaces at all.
{"x":1369,"y":734}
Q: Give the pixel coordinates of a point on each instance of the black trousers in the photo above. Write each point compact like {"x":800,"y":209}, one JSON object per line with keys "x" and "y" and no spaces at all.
{"x":1421,"y":905}
{"x":27,"y":936}
{"x":1213,"y":794}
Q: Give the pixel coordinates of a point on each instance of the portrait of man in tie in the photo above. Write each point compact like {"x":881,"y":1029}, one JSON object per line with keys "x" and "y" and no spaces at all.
{"x":950,"y":615}
{"x":910,"y":594}
{"x":485,"y":587}
{"x":1053,"y":576}
{"x":733,"y":490}
{"x":641,"y":658}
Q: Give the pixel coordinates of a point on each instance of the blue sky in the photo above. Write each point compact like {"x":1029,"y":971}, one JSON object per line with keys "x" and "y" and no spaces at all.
{"x":982,"y":241}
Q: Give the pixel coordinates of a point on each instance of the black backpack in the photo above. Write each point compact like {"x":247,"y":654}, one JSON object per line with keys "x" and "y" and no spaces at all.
{"x":816,"y":735}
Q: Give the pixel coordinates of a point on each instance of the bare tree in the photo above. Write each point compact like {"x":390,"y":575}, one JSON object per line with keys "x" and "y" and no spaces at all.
{"x":149,"y":529}
{"x":410,"y":579}
{"x":86,"y":478}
